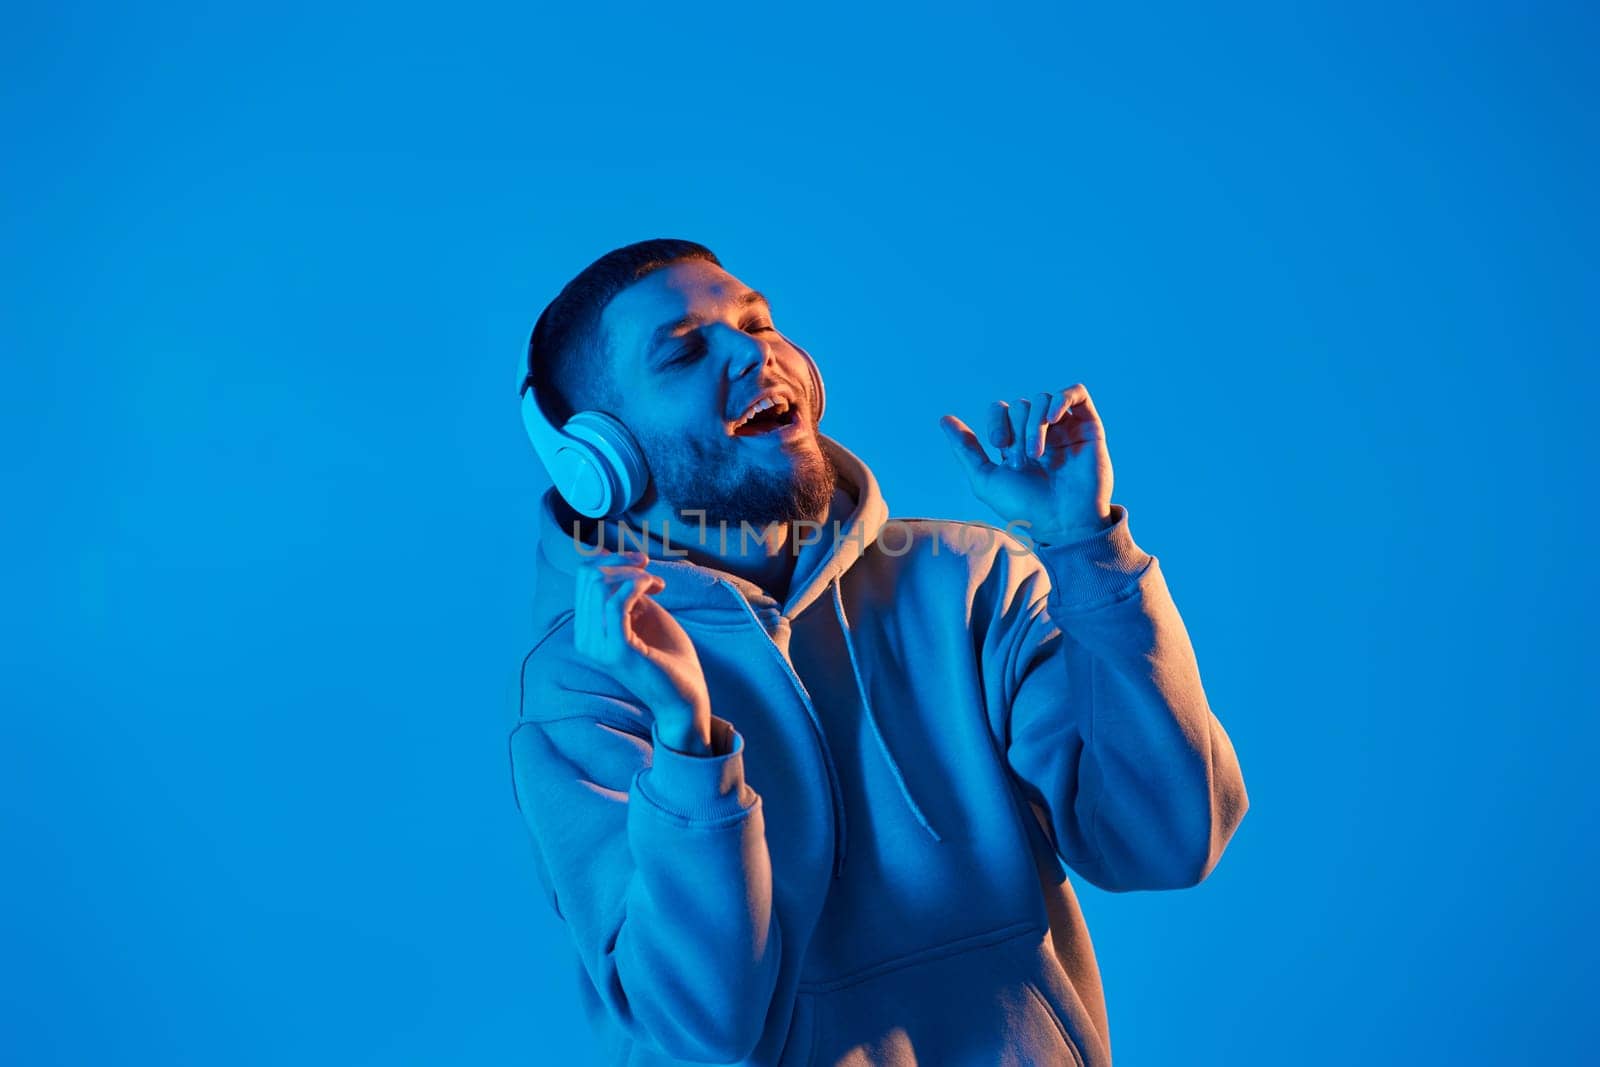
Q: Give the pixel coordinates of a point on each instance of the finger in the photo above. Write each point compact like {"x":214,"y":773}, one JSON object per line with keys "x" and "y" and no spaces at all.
{"x":1042,"y":406}
{"x":1058,"y":407}
{"x":999,"y":428}
{"x":614,"y":608}
{"x":619,"y":605}
{"x":591,"y":607}
{"x":629,"y":585}
{"x":611,"y":575}
{"x":1079,"y":421}
{"x":967,"y":447}
{"x":593,"y":565}
{"x":580,"y":608}
{"x":629,"y":557}
{"x":598,"y":577}
{"x":1083,"y":421}
{"x":1017,"y":454}
{"x":1052,"y":433}
{"x":1084,"y":406}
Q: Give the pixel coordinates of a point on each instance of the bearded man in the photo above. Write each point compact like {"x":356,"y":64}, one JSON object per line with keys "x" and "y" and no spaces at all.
{"x":810,"y":797}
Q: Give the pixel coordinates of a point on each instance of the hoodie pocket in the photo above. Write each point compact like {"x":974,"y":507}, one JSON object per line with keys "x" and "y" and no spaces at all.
{"x":959,"y":1004}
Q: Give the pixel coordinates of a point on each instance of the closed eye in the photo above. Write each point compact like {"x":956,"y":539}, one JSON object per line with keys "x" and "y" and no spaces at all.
{"x":690,"y":352}
{"x":694,"y":347}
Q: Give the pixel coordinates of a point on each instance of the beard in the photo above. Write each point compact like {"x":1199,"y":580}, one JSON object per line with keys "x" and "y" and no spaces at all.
{"x":691,"y":476}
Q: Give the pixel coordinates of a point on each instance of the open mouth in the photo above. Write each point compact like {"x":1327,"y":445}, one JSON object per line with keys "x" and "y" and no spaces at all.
{"x":768,"y":415}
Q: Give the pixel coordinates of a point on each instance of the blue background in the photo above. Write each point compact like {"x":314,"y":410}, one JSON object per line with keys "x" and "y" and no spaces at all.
{"x":1330,"y":275}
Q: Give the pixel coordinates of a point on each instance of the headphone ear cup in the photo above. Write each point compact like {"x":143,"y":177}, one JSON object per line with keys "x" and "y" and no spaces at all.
{"x":822,"y":393}
{"x":817,"y":390}
{"x":616,"y":473}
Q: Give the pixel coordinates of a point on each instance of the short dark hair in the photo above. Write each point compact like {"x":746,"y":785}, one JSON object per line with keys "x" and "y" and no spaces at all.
{"x":568,"y":358}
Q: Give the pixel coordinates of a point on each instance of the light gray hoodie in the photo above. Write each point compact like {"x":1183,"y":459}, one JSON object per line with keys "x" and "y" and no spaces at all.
{"x":869,"y":867}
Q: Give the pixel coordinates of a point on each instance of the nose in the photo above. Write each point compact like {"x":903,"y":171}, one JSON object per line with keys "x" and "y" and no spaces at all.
{"x":745,"y":353}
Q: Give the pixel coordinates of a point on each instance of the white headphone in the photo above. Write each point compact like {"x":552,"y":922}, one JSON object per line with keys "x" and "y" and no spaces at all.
{"x":594,"y":462}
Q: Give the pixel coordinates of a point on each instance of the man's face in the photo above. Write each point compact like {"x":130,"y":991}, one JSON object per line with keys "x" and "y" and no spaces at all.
{"x":694,"y":352}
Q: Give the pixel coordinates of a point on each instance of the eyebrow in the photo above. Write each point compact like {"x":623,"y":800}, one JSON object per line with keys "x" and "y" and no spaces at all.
{"x":663,"y":332}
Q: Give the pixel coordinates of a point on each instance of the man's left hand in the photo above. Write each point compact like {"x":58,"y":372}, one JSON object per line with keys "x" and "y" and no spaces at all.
{"x":1054,"y":475}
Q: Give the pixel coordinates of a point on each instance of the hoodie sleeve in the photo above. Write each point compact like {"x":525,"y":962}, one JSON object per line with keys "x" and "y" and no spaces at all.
{"x":657,"y":862}
{"x":1105,"y":721}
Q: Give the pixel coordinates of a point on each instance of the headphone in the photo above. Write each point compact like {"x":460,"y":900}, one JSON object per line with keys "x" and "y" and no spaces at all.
{"x":594,"y":462}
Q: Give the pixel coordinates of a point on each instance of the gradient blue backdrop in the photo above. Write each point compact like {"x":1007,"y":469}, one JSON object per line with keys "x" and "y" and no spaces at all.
{"x":1330,"y":275}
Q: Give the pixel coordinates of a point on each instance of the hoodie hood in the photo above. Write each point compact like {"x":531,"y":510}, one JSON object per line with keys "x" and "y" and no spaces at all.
{"x":695,"y":592}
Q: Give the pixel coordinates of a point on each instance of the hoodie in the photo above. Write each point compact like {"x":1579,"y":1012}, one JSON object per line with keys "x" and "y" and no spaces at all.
{"x":909,"y":752}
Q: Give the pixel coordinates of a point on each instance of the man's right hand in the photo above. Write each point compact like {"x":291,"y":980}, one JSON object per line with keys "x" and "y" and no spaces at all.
{"x":640,"y":644}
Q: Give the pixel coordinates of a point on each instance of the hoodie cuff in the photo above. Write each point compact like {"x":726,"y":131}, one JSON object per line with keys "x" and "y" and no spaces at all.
{"x":1094,"y":569}
{"x":698,"y":788}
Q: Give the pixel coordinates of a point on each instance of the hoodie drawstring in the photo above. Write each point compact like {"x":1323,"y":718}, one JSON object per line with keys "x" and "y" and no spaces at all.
{"x":872,"y":718}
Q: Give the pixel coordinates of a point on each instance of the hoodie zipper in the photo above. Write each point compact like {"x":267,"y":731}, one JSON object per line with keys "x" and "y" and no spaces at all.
{"x":836,"y":793}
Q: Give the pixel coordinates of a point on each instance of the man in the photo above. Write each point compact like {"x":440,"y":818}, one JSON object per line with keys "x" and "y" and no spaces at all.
{"x":809,"y":797}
